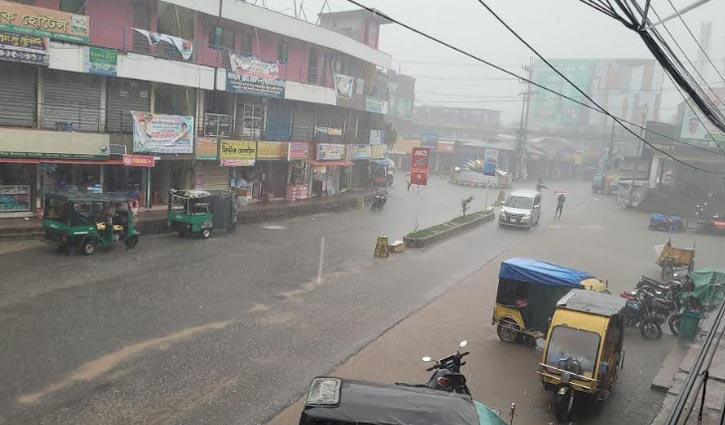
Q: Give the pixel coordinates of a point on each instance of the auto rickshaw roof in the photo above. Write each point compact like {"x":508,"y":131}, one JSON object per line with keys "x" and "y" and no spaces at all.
{"x":199,"y":194}
{"x":374,"y":403}
{"x":541,"y":272}
{"x":592,"y":302}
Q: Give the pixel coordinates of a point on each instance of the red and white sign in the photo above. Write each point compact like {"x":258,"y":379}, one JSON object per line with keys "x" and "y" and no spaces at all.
{"x":419,"y":167}
{"x":298,"y":150}
{"x":138,"y":161}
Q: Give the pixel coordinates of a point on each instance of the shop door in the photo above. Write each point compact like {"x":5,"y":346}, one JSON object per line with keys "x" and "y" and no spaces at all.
{"x":125,"y":96}
{"x":72,"y":101}
{"x":303,"y":123}
{"x":214,"y":177}
{"x":18,"y":96}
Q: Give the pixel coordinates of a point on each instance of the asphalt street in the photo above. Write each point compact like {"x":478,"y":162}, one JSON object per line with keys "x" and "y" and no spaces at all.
{"x":230,"y":330}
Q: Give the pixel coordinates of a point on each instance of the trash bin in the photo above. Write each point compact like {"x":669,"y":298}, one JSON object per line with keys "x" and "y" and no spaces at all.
{"x":689,"y":321}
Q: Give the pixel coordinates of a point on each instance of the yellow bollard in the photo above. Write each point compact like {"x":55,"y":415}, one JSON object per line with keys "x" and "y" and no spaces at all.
{"x":381,"y":249}
{"x":361,"y":202}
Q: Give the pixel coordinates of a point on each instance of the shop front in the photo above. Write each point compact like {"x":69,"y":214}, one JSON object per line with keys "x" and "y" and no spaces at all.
{"x":331,"y":170}
{"x":238,"y":157}
{"x":272,"y":169}
{"x":300,"y":171}
{"x":360,"y":156}
{"x":209,"y":175}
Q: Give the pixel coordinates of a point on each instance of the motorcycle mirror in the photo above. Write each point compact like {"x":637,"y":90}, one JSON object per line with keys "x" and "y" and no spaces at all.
{"x":463,"y":343}
{"x":426,"y":359}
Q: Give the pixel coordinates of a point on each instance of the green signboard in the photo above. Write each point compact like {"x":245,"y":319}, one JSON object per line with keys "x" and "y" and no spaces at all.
{"x":102,"y":61}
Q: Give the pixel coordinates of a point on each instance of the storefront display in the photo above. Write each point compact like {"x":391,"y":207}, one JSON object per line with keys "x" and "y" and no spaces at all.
{"x":298,"y":182}
{"x":15,"y":198}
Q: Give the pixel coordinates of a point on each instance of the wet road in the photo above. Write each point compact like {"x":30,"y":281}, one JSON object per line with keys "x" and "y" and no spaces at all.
{"x":231,"y":329}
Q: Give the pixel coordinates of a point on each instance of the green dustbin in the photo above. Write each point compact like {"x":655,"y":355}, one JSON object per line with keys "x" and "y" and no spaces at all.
{"x":689,"y":320}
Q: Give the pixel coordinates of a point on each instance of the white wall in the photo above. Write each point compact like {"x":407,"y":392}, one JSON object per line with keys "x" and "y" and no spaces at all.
{"x":210,"y":7}
{"x":148,"y":68}
{"x":279,"y":23}
{"x":310,"y":93}
{"x":66,"y":57}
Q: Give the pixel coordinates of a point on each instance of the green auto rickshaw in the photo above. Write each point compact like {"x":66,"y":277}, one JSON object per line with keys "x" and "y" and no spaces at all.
{"x":199,"y":212}
{"x":85,"y":221}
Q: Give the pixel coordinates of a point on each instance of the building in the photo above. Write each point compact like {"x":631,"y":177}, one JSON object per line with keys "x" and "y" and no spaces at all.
{"x":142,"y":96}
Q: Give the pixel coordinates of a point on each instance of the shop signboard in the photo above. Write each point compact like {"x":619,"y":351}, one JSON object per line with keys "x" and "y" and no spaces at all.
{"x":207,"y":148}
{"x":329,"y":131}
{"x":38,"y":21}
{"x":490,"y":160}
{"x":378,"y":151}
{"x":298,"y":150}
{"x":330,"y":152}
{"x":343,"y":85}
{"x":21,"y":143}
{"x":184,"y":47}
{"x":14,"y":198}
{"x":249,"y":65}
{"x":101,"y":61}
{"x":23,"y":48}
{"x":218,"y":125}
{"x":138,"y":161}
{"x":237,"y":153}
{"x":360,"y":151}
{"x":249,"y":75}
{"x":419,"y":166}
{"x":272,"y":151}
{"x":373,"y":104}
{"x":157,"y":133}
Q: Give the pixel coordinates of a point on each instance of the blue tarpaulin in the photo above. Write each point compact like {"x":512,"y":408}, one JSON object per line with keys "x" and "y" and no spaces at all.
{"x":535,"y":271}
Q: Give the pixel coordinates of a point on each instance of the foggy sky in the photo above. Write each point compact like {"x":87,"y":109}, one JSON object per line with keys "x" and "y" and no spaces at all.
{"x":557,"y":28}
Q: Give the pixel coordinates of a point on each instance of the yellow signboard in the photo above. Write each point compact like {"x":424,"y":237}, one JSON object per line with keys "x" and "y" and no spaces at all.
{"x":238,"y":150}
{"x":272,"y":150}
{"x":43,"y":22}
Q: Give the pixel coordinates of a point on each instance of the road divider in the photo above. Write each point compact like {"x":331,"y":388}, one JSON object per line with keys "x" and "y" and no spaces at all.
{"x":442,"y":231}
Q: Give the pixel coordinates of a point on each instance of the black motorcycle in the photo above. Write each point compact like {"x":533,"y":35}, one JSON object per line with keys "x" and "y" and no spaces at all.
{"x":381,"y":197}
{"x":640,"y":312}
{"x":447,"y":374}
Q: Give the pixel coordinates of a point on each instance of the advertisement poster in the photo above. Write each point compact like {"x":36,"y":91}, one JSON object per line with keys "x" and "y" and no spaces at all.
{"x":692,"y":128}
{"x":23,"y":48}
{"x":376,"y":137}
{"x":360,"y":151}
{"x":419,"y":166}
{"x":490,"y":161}
{"x":14,"y":198}
{"x":184,"y":47}
{"x":373,"y":104}
{"x":343,"y":85}
{"x":272,"y":150}
{"x":207,"y":149}
{"x":248,"y":65}
{"x":330,"y":152}
{"x":237,"y":153}
{"x":101,"y":61}
{"x":258,"y":86}
{"x":41,"y":22}
{"x":157,"y":133}
{"x":298,"y":150}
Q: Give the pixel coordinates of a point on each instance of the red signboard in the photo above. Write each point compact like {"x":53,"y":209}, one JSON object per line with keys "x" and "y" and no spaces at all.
{"x":419,"y":167}
{"x":138,"y":161}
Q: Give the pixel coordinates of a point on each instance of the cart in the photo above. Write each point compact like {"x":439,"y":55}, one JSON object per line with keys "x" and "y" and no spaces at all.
{"x":672,"y":259}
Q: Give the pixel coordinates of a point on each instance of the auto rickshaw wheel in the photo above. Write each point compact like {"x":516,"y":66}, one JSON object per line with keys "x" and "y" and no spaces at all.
{"x":205,"y":233}
{"x":507,"y":330}
{"x":132,"y":241}
{"x":565,"y":406}
{"x":88,"y":247}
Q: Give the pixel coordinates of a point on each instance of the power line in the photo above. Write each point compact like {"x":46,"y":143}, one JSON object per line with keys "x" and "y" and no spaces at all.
{"x":472,"y":56}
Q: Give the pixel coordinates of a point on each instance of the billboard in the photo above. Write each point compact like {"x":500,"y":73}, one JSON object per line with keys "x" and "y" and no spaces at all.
{"x":692,"y":127}
{"x":419,"y":166}
{"x":41,"y":22}
{"x":158,"y":133}
{"x":490,"y":161}
{"x":548,"y":110}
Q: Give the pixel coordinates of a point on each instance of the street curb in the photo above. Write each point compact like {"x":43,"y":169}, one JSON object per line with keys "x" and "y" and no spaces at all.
{"x":423,"y":242}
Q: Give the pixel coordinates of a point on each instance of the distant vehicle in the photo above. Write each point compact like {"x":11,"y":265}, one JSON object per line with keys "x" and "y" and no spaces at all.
{"x":522,"y":208}
{"x":381,"y":197}
{"x":598,"y":183}
{"x":200,"y":212}
{"x":528,"y":290}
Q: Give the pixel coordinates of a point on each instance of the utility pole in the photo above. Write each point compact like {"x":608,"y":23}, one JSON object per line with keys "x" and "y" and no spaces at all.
{"x":520,"y":164}
{"x":640,"y":147}
{"x":607,"y":164}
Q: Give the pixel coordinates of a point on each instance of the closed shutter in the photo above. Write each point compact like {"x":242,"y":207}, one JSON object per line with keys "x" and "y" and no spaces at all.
{"x":72,"y":100}
{"x":125,"y":96}
{"x":214,"y":177}
{"x":303,"y":123}
{"x":278,"y":121}
{"x":18,"y":96}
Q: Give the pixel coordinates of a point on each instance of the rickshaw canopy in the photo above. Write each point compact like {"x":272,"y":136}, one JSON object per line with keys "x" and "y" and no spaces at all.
{"x":190,"y":194}
{"x":592,"y":302}
{"x":360,"y":402}
{"x":89,"y":197}
{"x":541,"y":272}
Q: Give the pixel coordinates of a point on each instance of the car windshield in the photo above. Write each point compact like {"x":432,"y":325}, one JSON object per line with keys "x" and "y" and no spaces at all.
{"x":523,"y":202}
{"x":567,"y":344}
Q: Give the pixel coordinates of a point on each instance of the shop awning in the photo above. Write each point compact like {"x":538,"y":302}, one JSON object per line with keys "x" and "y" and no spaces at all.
{"x":60,"y":161}
{"x":330,"y":163}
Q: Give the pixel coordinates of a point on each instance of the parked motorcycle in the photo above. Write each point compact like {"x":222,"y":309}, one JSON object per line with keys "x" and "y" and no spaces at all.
{"x":381,"y":197}
{"x":447,"y":374}
{"x":640,"y":312}
{"x":667,"y":299}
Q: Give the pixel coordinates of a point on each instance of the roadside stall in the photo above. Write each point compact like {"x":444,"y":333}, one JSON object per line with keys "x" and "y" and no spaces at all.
{"x":328,"y":174}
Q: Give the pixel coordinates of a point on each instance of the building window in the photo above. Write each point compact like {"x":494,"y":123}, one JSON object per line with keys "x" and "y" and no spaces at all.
{"x":246,"y":47}
{"x":251,"y":121}
{"x":282,"y":49}
{"x":221,"y":38}
{"x":77,"y":7}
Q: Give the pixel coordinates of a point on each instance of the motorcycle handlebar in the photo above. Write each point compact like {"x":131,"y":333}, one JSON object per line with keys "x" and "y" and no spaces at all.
{"x":465,"y":354}
{"x":431,"y":368}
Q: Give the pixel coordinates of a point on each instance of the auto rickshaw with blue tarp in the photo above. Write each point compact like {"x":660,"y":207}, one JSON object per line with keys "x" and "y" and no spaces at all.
{"x":528,"y":290}
{"x":82,"y":221}
{"x":200,"y":212}
{"x":336,"y":401}
{"x":584,"y":351}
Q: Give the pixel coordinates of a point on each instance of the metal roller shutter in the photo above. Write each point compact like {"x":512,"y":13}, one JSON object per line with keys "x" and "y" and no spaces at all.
{"x":19,"y":94}
{"x":278,"y":121}
{"x":125,"y":96}
{"x":214,"y":177}
{"x":72,"y":99}
{"x":303,"y":123}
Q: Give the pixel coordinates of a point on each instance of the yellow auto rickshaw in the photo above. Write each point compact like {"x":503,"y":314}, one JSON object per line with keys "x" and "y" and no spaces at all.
{"x":583,"y":351}
{"x":673,"y":259}
{"x":528,"y":290}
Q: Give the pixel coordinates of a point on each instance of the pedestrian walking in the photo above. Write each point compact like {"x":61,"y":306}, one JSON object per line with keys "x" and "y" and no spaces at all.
{"x":559,"y":205}
{"x":407,"y":180}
